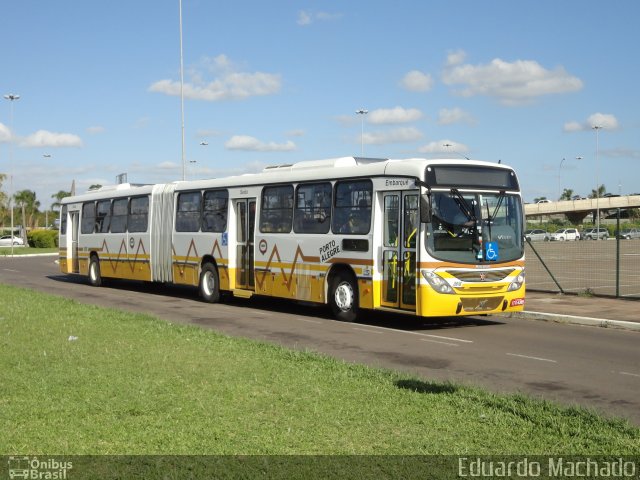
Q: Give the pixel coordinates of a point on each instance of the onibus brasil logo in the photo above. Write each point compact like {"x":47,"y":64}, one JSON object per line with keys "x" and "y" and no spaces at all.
{"x":38,"y":469}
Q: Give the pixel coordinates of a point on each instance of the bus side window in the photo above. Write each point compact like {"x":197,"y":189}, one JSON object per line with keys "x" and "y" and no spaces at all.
{"x":276,"y":209}
{"x":352,"y":207}
{"x":214,"y":211}
{"x":138,"y":219}
{"x":88,"y":217}
{"x":188,"y":212}
{"x":119,"y":215}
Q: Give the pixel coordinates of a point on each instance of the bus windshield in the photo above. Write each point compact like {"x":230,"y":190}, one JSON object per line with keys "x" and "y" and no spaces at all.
{"x":475,"y":227}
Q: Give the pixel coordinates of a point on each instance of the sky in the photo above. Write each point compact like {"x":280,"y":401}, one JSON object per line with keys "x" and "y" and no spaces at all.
{"x":279,"y":82}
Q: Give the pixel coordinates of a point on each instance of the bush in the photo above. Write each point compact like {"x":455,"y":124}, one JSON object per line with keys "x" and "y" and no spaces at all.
{"x":43,"y":238}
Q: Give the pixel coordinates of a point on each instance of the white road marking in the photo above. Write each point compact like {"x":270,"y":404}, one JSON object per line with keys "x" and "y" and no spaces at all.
{"x":441,"y":343}
{"x":630,"y":374}
{"x":532,"y":358}
{"x":421,"y":334}
{"x":10,"y":270}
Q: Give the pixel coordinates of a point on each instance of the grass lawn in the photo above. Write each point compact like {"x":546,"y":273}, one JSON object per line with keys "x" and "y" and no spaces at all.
{"x":78,"y":379}
{"x":6,"y":251}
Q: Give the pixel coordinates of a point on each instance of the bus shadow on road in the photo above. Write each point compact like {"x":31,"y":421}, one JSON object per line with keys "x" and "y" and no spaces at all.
{"x":378,"y":318}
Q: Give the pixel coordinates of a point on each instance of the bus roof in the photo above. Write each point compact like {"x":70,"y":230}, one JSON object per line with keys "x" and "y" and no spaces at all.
{"x":343,"y":167}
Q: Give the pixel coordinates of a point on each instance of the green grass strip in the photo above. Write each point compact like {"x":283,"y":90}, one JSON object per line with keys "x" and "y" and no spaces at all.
{"x":6,"y":251}
{"x":77,"y":379}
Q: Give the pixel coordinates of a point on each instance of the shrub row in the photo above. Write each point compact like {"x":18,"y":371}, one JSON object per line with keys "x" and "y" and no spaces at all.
{"x":43,"y":238}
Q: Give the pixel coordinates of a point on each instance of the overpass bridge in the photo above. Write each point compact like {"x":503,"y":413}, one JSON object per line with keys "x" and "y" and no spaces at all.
{"x":576,"y":210}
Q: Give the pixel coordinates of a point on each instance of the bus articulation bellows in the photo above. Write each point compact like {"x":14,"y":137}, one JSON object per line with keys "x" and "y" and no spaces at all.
{"x":435,"y":238}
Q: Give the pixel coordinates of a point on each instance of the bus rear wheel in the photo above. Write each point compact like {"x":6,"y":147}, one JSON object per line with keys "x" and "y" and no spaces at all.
{"x":209,"y":285}
{"x":95,"y":278}
{"x":343,"y":297}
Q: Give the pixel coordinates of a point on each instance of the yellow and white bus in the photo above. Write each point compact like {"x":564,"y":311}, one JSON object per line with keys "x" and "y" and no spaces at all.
{"x":435,"y":238}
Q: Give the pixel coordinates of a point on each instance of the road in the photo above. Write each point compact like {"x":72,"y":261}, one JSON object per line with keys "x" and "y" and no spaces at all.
{"x":593,"y":367}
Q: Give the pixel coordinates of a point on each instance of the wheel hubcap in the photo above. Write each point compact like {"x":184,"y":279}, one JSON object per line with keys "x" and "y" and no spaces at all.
{"x":208,"y":283}
{"x":344,"y":296}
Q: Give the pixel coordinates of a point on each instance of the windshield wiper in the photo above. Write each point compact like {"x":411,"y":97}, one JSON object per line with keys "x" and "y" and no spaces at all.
{"x":464,"y":206}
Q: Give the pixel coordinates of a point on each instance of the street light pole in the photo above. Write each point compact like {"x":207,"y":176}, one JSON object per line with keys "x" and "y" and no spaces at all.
{"x":362,"y":112}
{"x":559,"y":172}
{"x":597,"y":128}
{"x":12,"y":98}
{"x":184,"y":164}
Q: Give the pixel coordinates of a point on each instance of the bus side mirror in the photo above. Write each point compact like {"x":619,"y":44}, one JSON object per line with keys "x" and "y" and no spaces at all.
{"x":425,"y":209}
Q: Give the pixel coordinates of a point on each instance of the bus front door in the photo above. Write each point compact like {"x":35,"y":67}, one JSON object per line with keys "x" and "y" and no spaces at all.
{"x":401,"y":222}
{"x":245,"y":235}
{"x":75,"y":226}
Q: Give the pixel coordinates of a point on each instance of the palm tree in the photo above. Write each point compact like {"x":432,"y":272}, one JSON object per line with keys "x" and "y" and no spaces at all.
{"x":3,"y":200}
{"x":600,"y":193}
{"x":58,"y":197}
{"x":26,"y":200}
{"x":566,"y":194}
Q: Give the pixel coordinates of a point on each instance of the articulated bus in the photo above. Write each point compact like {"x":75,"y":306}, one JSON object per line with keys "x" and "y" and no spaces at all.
{"x":434,"y":238}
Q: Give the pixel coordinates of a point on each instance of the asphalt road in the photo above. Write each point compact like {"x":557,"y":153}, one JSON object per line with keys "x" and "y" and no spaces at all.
{"x":593,"y":367}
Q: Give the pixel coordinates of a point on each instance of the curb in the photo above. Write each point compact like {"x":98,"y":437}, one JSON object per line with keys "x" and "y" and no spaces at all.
{"x":576,"y":320}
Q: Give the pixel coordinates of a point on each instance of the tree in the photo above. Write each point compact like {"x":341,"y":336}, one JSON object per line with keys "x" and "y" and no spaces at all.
{"x":4,"y":206}
{"x":58,"y":199}
{"x":566,"y":194}
{"x":537,"y":199}
{"x":600,"y":193}
{"x":26,"y":200}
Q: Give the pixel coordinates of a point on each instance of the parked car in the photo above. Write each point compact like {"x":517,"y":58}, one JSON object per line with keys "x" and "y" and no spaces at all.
{"x":536,"y":235}
{"x":629,"y":233}
{"x":5,"y":241}
{"x":595,"y":233}
{"x":563,"y":234}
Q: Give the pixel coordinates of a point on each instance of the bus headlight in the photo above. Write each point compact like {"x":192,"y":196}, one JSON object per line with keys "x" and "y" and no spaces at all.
{"x":517,"y":283}
{"x":438,"y":283}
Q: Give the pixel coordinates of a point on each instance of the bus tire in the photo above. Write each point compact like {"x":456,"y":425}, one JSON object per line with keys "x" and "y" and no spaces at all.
{"x":95,"y":278}
{"x":209,"y":285}
{"x":343,"y":297}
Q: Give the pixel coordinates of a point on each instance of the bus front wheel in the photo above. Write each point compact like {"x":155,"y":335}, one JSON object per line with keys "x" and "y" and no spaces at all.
{"x":209,"y":284}
{"x":95,"y":278}
{"x":343,"y":297}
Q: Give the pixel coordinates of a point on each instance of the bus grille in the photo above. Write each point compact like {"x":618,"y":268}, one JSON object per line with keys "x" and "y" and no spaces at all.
{"x":481,"y":275}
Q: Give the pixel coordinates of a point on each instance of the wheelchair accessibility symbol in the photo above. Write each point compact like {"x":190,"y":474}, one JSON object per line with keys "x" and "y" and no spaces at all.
{"x":491,"y":251}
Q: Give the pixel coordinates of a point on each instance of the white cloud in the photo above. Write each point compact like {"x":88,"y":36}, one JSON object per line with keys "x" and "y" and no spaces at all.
{"x":246,"y":142}
{"x":417,"y":81}
{"x":96,"y":129}
{"x":44,"y":138}
{"x":511,"y":83}
{"x":307,"y":18}
{"x":605,"y":120}
{"x":456,"y":58}
{"x":448,"y":147}
{"x":5,"y":133}
{"x":448,"y":116}
{"x":386,"y":116}
{"x":229,"y":83}
{"x":398,"y":135}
